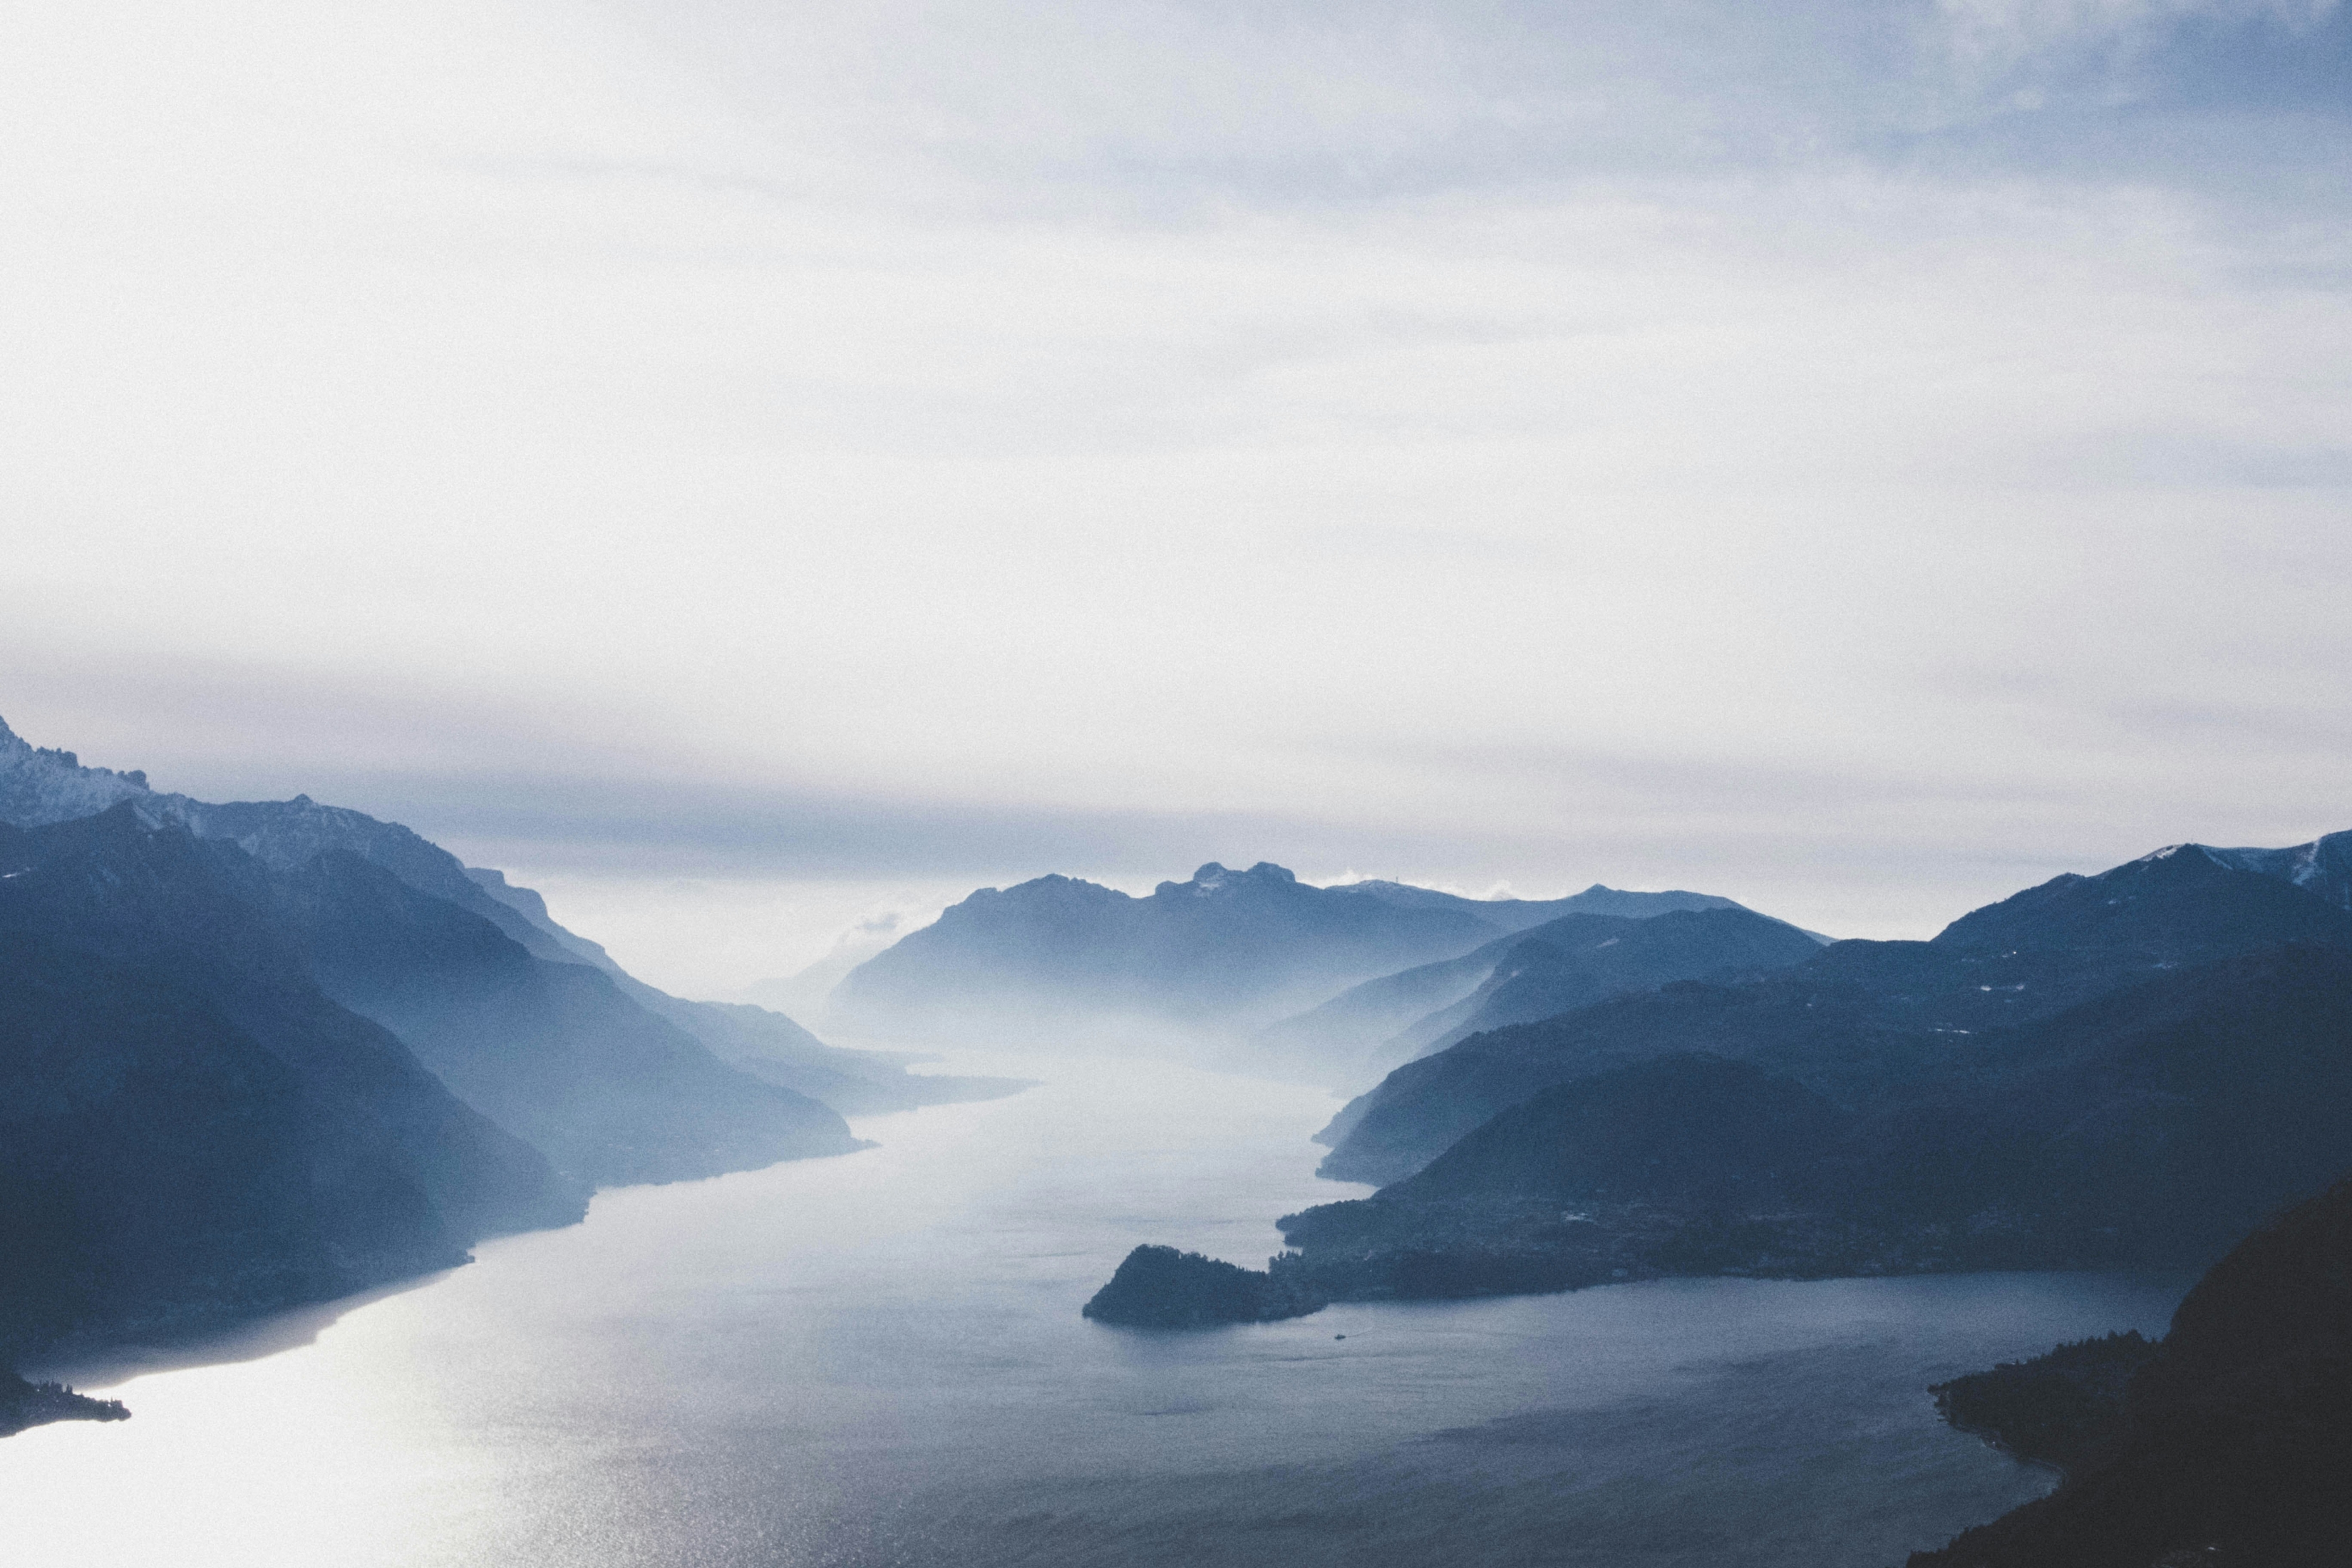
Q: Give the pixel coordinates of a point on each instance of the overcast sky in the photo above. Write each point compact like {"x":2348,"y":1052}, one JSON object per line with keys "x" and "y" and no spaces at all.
{"x":752,"y":468}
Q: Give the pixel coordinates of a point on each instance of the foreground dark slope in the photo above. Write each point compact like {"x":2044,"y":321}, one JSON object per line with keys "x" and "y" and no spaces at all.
{"x":1228,"y":949}
{"x":194,"y":1130}
{"x":1858,"y":1020}
{"x":2234,"y":1445}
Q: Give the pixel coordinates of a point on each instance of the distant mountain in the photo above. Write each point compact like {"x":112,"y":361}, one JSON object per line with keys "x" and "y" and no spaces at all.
{"x":2322,"y":868}
{"x":760,"y":1041}
{"x":612,"y":1092}
{"x":1858,"y":1018}
{"x":1566,"y":961}
{"x":1560,"y":966}
{"x":40,"y":786}
{"x":194,"y":1130}
{"x":1226,"y":950}
{"x":1521,"y":914}
{"x":2233,"y":1442}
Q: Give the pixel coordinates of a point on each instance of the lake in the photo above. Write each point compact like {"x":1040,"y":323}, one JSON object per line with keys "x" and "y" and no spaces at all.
{"x":878,"y":1360}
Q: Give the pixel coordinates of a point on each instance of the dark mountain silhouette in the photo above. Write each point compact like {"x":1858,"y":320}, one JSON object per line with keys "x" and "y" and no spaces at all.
{"x":556,"y":1052}
{"x":1564,"y":963}
{"x":44,"y":786}
{"x":2144,"y":1129}
{"x":2178,"y":901}
{"x":266,"y":1053}
{"x":1524,"y":914}
{"x":759,"y":1040}
{"x":551,"y":1051}
{"x":2122,"y":1070}
{"x":1859,"y":1019}
{"x":2231,"y":1444}
{"x":1225,"y":950}
{"x":194,"y":1129}
{"x":1559,"y":967}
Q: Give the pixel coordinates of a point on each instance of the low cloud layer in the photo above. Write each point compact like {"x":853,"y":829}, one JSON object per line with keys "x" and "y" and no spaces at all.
{"x":1851,"y":457}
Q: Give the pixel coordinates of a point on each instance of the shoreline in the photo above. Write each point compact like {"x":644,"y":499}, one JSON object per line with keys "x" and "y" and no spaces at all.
{"x":24,"y":1404}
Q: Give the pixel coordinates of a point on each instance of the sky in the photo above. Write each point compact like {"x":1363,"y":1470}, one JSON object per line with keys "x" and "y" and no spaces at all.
{"x":757,"y":472}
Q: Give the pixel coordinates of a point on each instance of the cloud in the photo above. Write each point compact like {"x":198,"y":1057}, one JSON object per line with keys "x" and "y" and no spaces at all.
{"x":1810,"y":449}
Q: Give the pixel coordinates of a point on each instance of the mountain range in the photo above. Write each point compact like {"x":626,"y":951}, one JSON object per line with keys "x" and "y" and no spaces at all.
{"x":43,"y":786}
{"x":194,"y":1129}
{"x":272,"y":1052}
{"x":1225,"y":954}
{"x":2129,"y":1070}
{"x":1857,"y":1018}
{"x":1563,"y":963}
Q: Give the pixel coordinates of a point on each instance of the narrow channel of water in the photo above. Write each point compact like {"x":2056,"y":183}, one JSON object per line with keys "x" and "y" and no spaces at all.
{"x":878,"y":1360}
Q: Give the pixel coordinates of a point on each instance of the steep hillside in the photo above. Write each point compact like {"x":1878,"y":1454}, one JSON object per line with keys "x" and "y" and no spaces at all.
{"x":194,"y":1130}
{"x":2234,"y":1439}
{"x":2144,"y":1129}
{"x":1858,"y":1020}
{"x":1559,"y":967}
{"x":555,"y":1052}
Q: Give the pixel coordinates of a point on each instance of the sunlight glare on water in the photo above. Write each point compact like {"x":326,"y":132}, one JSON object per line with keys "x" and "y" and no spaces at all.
{"x":878,"y":1358}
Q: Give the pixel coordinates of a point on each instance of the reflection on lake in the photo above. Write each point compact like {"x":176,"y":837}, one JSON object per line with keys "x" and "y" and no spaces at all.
{"x":879,"y":1360}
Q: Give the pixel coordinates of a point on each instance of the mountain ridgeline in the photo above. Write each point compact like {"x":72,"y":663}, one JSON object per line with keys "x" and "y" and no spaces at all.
{"x":267,"y":1053}
{"x":2131,"y":1070}
{"x":195,"y":1129}
{"x":1562,"y":965}
{"x":1223,"y":956}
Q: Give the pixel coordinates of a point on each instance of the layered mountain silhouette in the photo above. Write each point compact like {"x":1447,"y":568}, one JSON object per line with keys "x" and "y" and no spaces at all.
{"x":1858,"y":1018}
{"x":1524,"y":914}
{"x":2149,"y":1128}
{"x":1226,"y":949}
{"x":1225,"y":952}
{"x":41,"y":785}
{"x":1552,"y":968}
{"x":2130,"y":1069}
{"x":194,"y":1128}
{"x":274,"y":1052}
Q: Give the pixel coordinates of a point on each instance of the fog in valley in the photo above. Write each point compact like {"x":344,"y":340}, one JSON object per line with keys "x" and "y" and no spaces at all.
{"x":1007,"y":783}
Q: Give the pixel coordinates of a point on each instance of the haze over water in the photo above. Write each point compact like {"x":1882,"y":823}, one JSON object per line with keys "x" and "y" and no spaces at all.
{"x":879,"y":1360}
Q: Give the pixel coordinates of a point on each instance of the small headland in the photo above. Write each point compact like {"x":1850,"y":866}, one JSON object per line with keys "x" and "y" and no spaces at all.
{"x":24,"y":1404}
{"x":2058,"y":1409}
{"x":1160,"y":1288}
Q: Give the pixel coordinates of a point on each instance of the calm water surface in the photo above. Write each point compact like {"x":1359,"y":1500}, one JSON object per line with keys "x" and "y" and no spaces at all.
{"x":878,"y":1360}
